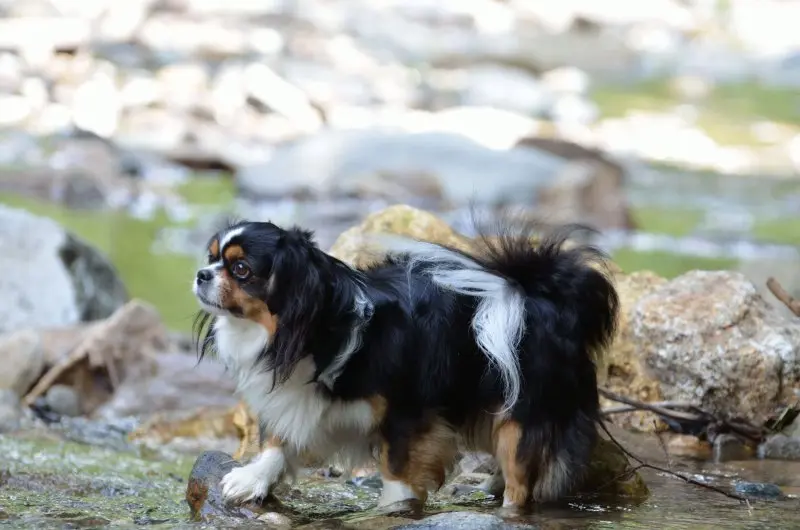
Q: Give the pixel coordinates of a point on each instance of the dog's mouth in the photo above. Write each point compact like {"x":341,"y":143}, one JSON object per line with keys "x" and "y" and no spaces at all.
{"x":206,"y":302}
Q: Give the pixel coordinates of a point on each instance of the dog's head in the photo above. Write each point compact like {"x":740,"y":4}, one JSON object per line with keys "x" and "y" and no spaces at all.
{"x":262,"y":273}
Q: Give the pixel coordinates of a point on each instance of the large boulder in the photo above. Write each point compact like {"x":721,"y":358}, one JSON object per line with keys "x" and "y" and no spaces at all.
{"x":623,"y":371}
{"x":51,"y":278}
{"x":709,"y":338}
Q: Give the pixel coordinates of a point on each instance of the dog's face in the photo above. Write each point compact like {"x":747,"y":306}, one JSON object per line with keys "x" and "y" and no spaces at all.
{"x":239,"y":276}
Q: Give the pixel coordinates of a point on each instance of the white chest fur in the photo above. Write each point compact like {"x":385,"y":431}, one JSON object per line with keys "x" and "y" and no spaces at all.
{"x":295,"y":411}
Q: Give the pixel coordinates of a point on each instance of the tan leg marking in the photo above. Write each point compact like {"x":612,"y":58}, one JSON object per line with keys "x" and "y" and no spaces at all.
{"x":430,"y":455}
{"x":507,"y":435}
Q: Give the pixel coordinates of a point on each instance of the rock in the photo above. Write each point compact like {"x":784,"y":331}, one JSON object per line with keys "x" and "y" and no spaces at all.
{"x":354,"y":247}
{"x":343,"y":162}
{"x":109,"y":352}
{"x":276,"y":521}
{"x":11,"y":413}
{"x":624,"y":372}
{"x":758,"y":490}
{"x":203,"y":493}
{"x":22,"y":358}
{"x":177,"y":383}
{"x":780,"y":447}
{"x":709,"y":338}
{"x":728,"y":447}
{"x":462,"y":521}
{"x":589,"y":190}
{"x":63,"y":400}
{"x":71,"y":282}
{"x":610,"y":474}
{"x":689,"y":446}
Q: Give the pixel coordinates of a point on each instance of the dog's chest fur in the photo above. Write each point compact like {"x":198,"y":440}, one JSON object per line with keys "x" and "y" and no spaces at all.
{"x":295,"y":411}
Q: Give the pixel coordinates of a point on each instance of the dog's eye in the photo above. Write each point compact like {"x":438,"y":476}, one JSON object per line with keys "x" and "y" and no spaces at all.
{"x":240,"y":270}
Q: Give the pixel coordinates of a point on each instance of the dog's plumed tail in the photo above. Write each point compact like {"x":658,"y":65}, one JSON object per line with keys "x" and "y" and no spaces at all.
{"x":546,"y":311}
{"x":571,"y":310}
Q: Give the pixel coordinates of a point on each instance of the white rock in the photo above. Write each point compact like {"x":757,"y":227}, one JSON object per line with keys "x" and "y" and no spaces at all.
{"x":51,"y":279}
{"x":566,"y":80}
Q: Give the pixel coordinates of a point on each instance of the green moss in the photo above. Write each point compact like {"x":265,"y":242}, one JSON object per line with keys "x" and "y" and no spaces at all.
{"x":725,"y":114}
{"x":51,"y":480}
{"x":782,"y":230}
{"x":670,"y":221}
{"x":666,"y":264}
{"x":208,"y":190}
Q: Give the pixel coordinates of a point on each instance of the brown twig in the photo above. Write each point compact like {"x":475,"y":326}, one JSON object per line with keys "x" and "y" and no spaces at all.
{"x":652,"y":407}
{"x":660,"y":404}
{"x":689,"y":480}
{"x":695,"y":414}
{"x":781,"y":294}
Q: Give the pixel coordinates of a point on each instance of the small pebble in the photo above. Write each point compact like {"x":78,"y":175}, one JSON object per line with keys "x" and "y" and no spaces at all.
{"x":63,"y":400}
{"x":759,"y":490}
{"x":275,"y":520}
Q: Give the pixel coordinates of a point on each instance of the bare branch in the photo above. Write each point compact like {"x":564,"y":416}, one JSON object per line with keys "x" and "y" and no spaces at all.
{"x":781,"y":294}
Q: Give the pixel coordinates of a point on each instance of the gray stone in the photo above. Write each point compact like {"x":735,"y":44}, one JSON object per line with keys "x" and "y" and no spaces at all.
{"x":52,"y":278}
{"x":709,"y":338}
{"x":63,"y":400}
{"x":22,"y":359}
{"x":758,"y":490}
{"x":780,"y":447}
{"x":11,"y":413}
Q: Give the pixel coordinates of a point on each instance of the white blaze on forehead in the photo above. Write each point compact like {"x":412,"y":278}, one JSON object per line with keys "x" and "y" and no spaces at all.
{"x":230,"y":235}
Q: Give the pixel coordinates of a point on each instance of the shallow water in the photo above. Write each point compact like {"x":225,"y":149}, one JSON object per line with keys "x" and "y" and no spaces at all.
{"x":46,"y":482}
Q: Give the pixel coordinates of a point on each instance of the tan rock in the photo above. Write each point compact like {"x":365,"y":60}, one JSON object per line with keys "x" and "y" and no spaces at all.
{"x":22,"y":359}
{"x":624,"y":373}
{"x":109,"y":351}
{"x":709,"y":338}
{"x":352,"y":246}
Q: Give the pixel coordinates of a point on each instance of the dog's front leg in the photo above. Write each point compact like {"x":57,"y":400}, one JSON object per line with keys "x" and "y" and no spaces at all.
{"x":253,"y":481}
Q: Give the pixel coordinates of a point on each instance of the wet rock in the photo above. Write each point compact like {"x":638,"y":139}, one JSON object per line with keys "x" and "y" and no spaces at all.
{"x":203,"y":493}
{"x":689,"y":446}
{"x":610,"y":474}
{"x":354,"y":246}
{"x":780,"y":447}
{"x":63,"y":400}
{"x":462,"y":521}
{"x":624,"y":372}
{"x":22,"y":359}
{"x":709,"y":338}
{"x":11,"y":413}
{"x":727,"y":447}
{"x":759,"y":490}
{"x":276,"y":521}
{"x":71,"y":282}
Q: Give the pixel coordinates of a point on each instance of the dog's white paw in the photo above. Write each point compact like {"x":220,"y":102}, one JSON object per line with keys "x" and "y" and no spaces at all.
{"x":253,"y":481}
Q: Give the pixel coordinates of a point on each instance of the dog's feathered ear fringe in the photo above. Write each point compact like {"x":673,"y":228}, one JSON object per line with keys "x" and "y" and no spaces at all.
{"x":203,"y":334}
{"x":297,"y":298}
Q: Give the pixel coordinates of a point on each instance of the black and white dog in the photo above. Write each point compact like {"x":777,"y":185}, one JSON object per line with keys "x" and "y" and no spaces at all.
{"x":429,"y":350}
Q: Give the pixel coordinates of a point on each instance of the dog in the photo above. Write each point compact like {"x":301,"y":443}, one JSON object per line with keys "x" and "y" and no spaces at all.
{"x":425,"y":352}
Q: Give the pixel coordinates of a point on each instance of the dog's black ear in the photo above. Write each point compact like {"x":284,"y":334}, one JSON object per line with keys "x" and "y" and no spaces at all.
{"x":296,"y":297}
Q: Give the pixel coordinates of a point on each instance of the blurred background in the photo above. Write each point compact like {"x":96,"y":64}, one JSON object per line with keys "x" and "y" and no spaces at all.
{"x":672,"y":126}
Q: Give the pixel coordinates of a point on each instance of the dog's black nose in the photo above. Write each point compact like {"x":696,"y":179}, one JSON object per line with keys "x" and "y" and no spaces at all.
{"x":204,"y":275}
